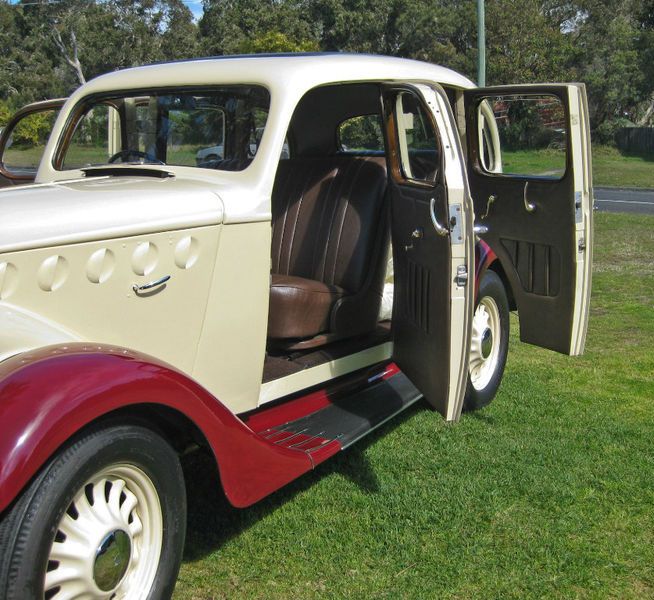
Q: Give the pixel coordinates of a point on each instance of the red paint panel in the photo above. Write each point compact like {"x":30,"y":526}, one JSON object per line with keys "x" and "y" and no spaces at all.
{"x":484,"y":257}
{"x":292,"y":410}
{"x":48,"y":395}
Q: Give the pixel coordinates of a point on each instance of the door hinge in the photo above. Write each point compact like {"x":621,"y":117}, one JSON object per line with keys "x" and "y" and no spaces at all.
{"x":461,"y":276}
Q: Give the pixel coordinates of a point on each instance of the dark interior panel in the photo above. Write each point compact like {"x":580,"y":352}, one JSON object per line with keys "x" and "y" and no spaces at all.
{"x":538,"y":266}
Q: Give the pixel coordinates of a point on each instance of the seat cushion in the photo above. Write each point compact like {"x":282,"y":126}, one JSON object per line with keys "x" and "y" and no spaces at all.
{"x":299,"y":307}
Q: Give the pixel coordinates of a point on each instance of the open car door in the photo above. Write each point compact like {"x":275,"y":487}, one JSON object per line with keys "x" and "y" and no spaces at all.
{"x":23,"y":140}
{"x":431,"y":226}
{"x":529,"y":169}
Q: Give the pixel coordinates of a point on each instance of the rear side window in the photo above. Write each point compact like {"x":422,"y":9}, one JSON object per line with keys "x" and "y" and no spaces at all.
{"x":361,"y":134}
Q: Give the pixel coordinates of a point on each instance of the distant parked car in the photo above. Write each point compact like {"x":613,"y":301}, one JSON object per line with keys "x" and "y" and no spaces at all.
{"x":209,"y":157}
{"x":206,"y":155}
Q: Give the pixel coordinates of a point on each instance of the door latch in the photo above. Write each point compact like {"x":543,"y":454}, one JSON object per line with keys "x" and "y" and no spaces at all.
{"x":582,"y":244}
{"x":461,"y":278}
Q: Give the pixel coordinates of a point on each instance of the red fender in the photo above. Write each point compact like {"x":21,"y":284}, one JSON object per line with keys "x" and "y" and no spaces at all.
{"x":48,"y":395}
{"x":484,"y":257}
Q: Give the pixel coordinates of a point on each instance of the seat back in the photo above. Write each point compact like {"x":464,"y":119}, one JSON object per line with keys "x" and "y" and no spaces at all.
{"x":329,"y":218}
{"x":327,"y":213}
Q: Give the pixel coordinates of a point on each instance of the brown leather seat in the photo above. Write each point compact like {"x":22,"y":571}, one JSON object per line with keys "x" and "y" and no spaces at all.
{"x":330,"y":238}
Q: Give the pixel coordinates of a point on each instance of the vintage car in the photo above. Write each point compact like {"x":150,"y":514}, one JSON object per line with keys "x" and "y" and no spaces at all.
{"x":150,"y":307}
{"x":19,"y":162}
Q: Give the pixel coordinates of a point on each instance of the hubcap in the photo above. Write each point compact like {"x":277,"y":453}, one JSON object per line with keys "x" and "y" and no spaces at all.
{"x":484,"y":346}
{"x":112,"y":560}
{"x":486,"y":343}
{"x":108,"y":542}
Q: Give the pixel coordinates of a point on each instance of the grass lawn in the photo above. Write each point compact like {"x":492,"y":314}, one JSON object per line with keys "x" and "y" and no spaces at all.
{"x":549,"y":492}
{"x":610,"y":167}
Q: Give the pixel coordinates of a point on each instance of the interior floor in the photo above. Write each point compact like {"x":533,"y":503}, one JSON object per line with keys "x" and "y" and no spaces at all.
{"x":280,"y":363}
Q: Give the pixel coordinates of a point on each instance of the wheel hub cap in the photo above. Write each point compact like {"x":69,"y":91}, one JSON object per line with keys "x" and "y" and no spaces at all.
{"x":486,"y":343}
{"x":112,"y":559}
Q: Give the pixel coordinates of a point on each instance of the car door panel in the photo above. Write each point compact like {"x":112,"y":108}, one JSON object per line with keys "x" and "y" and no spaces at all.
{"x":430,"y":312}
{"x":533,"y":222}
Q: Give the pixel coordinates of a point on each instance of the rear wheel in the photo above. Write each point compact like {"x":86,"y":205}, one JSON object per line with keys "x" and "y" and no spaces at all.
{"x":489,"y":343}
{"x":106,"y":518}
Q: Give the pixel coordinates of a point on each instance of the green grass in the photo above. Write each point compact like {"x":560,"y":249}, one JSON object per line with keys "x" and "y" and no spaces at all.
{"x":610,"y":167}
{"x":547,"y":493}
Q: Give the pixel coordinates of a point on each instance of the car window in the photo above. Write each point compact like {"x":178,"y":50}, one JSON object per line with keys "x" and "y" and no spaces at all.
{"x":218,"y":129}
{"x":531,"y":135}
{"x":361,"y":134}
{"x":27,"y":142}
{"x":95,"y":138}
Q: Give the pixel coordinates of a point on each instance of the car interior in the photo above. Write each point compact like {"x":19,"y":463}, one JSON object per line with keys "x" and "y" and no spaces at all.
{"x":330,"y":232}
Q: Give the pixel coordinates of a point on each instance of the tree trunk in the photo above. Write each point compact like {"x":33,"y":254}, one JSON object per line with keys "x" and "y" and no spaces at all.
{"x":649,"y":114}
{"x":73,"y":61}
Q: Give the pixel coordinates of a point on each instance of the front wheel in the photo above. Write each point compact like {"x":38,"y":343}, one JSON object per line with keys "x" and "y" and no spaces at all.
{"x":489,"y":343}
{"x":106,"y":518}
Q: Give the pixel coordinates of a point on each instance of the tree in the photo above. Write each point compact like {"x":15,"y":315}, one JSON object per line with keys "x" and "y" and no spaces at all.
{"x":227,"y":27}
{"x":525,"y":43}
{"x":80,"y":39}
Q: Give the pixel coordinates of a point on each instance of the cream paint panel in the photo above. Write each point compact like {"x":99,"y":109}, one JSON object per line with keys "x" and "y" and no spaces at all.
{"x":23,"y":330}
{"x":461,"y":298}
{"x":101,"y":208}
{"x":233,"y":343}
{"x":86,"y":289}
{"x":581,"y":155}
{"x":320,"y":374}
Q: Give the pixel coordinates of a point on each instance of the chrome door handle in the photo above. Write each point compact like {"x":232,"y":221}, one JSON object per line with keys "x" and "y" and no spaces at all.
{"x":489,"y":203}
{"x":148,"y":286}
{"x":530,"y":207}
{"x":440,"y":230}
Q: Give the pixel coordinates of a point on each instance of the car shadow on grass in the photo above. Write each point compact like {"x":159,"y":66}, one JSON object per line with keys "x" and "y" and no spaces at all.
{"x":212,"y":521}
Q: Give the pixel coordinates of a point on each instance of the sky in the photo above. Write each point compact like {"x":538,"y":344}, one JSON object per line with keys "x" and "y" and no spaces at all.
{"x":194,"y":5}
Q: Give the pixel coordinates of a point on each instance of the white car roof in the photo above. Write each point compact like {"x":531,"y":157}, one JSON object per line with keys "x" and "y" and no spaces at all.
{"x":273,"y":70}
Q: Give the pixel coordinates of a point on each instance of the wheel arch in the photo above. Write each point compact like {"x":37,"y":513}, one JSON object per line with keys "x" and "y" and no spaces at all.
{"x":48,"y":396}
{"x":486,"y":259}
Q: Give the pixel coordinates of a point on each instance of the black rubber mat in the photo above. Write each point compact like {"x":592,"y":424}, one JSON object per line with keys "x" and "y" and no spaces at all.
{"x":352,"y":417}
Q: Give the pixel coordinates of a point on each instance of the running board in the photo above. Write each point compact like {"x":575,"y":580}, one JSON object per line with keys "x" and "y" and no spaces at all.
{"x":345,"y":420}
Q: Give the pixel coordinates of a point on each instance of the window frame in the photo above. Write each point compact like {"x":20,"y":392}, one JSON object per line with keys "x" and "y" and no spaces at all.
{"x":394,"y":157}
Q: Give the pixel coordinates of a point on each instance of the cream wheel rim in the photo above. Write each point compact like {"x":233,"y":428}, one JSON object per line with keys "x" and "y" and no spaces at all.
{"x":485,"y":343}
{"x":108,"y":542}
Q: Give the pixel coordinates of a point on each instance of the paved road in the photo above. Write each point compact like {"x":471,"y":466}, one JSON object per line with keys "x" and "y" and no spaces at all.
{"x":625,"y":200}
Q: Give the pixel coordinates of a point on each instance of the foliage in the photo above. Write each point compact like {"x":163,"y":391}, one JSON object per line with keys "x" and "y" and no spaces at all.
{"x":276,"y":41}
{"x":34,"y":129}
{"x":5,"y":113}
{"x":362,"y":133}
{"x":48,"y":48}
